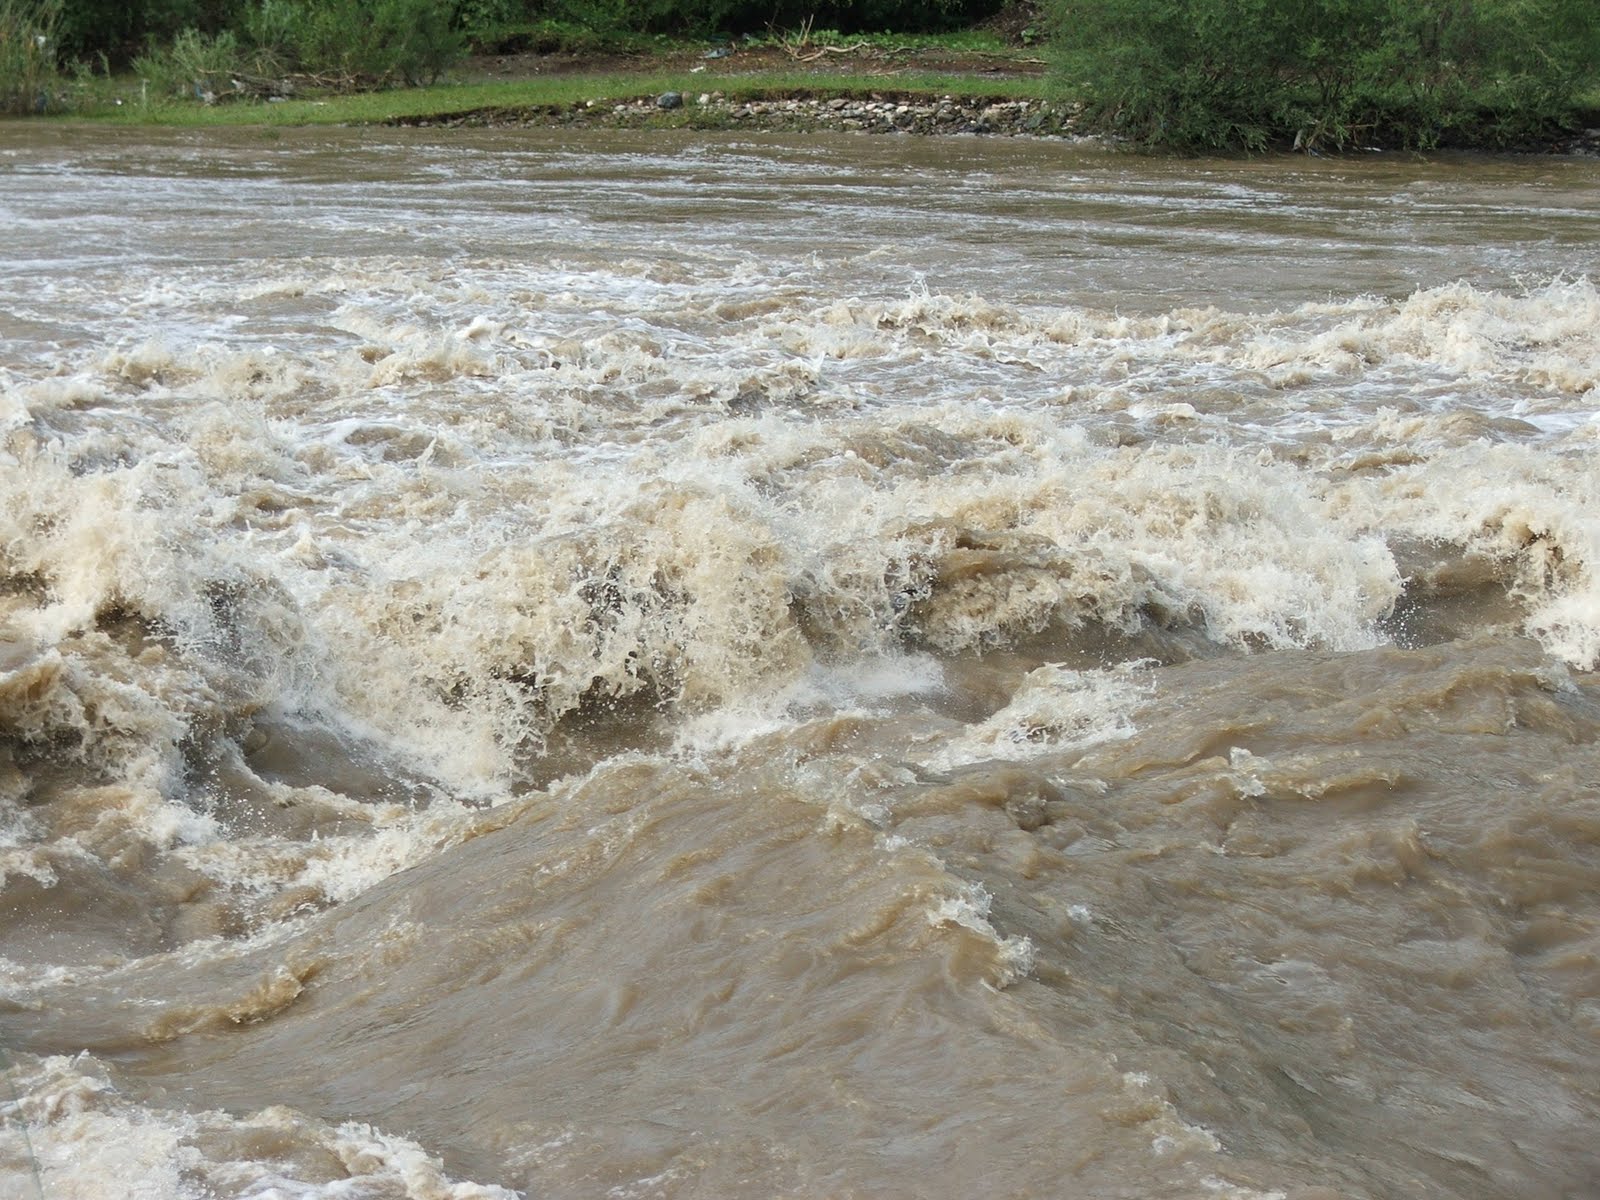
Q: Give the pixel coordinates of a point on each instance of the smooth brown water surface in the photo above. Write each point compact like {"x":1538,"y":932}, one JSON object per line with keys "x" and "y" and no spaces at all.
{"x":654,"y":665}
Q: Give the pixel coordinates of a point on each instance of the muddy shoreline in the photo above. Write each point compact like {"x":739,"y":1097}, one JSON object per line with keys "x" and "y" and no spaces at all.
{"x":885,"y":111}
{"x":880,"y":112}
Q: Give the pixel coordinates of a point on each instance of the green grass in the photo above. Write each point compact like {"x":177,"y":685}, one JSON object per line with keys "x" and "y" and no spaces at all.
{"x":569,"y":37}
{"x":557,"y":92}
{"x":549,"y":36}
{"x":968,"y":41}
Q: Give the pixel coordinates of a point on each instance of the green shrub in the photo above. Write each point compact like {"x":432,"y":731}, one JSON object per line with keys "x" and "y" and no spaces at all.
{"x":117,"y":28}
{"x":272,"y":28}
{"x":413,"y":40}
{"x":376,"y":41}
{"x":486,"y":18}
{"x":29,"y":30}
{"x":1246,"y":74}
{"x":1494,"y":72}
{"x":195,"y":64}
{"x":559,"y":37}
{"x":875,"y":16}
{"x":419,"y":37}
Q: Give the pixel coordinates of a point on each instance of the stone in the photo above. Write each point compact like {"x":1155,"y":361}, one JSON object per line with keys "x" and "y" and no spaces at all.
{"x":670,"y":100}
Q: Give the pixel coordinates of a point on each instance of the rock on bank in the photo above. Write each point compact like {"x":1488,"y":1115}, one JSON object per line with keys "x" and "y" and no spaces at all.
{"x":879,"y":112}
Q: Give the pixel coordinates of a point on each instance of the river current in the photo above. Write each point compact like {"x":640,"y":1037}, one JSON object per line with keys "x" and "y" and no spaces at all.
{"x":577,"y":664}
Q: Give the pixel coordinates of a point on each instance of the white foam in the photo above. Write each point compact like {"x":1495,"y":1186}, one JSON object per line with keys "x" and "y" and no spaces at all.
{"x":442,"y":507}
{"x":1531,"y":509}
{"x":1054,"y":710}
{"x":1170,"y":1135}
{"x":866,"y":687}
{"x":78,"y":1136}
{"x":968,"y":908}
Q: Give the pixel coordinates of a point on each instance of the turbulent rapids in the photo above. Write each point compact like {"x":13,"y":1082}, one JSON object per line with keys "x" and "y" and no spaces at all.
{"x":582,"y":664}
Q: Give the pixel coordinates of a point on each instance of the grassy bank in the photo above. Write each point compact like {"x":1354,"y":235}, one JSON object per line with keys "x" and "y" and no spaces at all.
{"x":553,"y":93}
{"x":1301,"y":79}
{"x":198,"y":62}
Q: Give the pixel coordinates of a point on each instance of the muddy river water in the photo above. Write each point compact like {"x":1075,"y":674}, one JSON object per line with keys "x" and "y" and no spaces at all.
{"x":656,"y":665}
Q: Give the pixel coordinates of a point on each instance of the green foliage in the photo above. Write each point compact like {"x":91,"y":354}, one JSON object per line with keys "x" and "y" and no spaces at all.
{"x":872,"y":16}
{"x":416,"y":39}
{"x":1245,"y":74}
{"x":371,"y":40}
{"x":272,"y":27}
{"x":28,"y":38}
{"x":560,"y":37}
{"x":411,"y":40}
{"x":970,"y":40}
{"x":547,"y":93}
{"x":1497,"y":71}
{"x":118,"y":27}
{"x":484,"y":19}
{"x":90,"y":26}
{"x":350,"y":43}
{"x":195,"y":64}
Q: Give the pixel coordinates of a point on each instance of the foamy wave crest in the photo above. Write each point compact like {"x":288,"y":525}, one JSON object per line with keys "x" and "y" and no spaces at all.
{"x":142,"y":635}
{"x":468,"y":509}
{"x":1035,"y":525}
{"x":1547,"y":337}
{"x":71,"y":1132}
{"x":1533,"y":512}
{"x":1542,"y":340}
{"x":968,"y":909}
{"x":1054,"y":709}
{"x":677,"y":595}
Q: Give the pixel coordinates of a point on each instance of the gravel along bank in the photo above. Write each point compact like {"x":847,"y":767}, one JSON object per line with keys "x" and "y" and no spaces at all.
{"x":880,"y":112}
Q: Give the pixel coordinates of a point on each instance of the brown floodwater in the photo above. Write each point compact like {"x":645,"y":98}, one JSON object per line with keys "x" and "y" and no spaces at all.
{"x":577,"y":664}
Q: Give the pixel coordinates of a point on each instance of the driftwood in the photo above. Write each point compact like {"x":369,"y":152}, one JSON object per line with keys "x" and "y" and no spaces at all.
{"x":261,"y":87}
{"x":818,"y":51}
{"x":799,"y":47}
{"x":242,"y":86}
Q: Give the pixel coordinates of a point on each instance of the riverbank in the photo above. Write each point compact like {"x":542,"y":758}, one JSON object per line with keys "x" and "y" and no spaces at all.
{"x":867,"y":88}
{"x":904,"y":103}
{"x":929,"y":90}
{"x":814,"y":108}
{"x":880,"y":111}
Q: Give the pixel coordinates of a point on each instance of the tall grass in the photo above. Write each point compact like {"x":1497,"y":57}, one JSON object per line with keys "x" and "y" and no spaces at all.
{"x":28,"y":76}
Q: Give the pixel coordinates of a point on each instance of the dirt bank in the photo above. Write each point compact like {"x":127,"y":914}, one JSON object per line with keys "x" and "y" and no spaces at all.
{"x":886,"y":111}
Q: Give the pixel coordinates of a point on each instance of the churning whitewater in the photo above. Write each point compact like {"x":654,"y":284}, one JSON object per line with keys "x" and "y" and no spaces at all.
{"x":577,"y":664}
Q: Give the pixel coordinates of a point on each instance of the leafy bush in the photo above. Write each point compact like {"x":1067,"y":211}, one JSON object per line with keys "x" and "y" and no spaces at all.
{"x":875,"y":16}
{"x":484,"y":18}
{"x":413,"y":40}
{"x":28,"y":39}
{"x":417,"y":39}
{"x":116,"y":28}
{"x":195,"y":64}
{"x":1244,"y":74}
{"x":354,"y":43}
{"x":272,"y":27}
{"x":375,"y":40}
{"x":558,"y":37}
